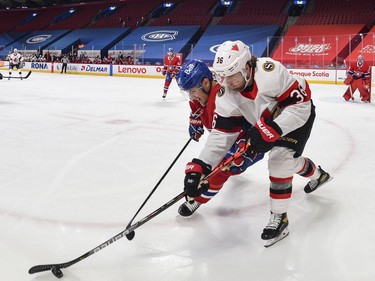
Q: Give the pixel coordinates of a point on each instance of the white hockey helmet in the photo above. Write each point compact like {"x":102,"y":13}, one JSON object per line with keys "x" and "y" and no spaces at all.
{"x":15,"y":50}
{"x":231,"y":57}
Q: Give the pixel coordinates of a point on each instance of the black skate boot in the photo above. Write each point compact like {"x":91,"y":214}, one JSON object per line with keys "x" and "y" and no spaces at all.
{"x":188,"y":208}
{"x":276,"y":229}
{"x":315,"y":184}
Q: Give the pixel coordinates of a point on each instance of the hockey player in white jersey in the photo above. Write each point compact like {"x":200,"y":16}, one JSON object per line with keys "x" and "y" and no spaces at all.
{"x":15,"y":61}
{"x":280,"y":108}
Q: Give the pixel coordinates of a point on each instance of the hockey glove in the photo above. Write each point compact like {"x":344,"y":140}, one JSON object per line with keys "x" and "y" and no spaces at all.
{"x":194,"y":172}
{"x":263,"y":135}
{"x":196,"y":129}
{"x":240,"y":164}
{"x":175,"y":72}
{"x":164,"y":72}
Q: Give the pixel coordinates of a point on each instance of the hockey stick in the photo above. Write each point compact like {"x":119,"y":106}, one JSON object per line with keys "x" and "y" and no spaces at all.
{"x":131,"y":234}
{"x":227,"y":163}
{"x":56,"y":267}
{"x":15,"y":77}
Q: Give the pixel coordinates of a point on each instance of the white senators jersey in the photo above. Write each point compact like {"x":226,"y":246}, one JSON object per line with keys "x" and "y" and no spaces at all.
{"x":15,"y":58}
{"x":274,"y":94}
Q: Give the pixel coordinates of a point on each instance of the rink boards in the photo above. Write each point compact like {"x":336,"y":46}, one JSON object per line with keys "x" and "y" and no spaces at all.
{"x":320,"y":76}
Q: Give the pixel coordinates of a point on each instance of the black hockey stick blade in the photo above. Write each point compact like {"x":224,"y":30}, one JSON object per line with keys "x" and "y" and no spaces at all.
{"x":27,"y":75}
{"x":47,"y":267}
{"x":18,"y":77}
{"x":130,"y":235}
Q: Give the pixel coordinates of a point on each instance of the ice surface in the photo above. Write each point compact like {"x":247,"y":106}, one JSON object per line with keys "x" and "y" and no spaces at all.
{"x":80,"y":154}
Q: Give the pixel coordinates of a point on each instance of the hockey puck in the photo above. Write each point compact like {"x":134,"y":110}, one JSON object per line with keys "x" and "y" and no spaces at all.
{"x":130,"y":235}
{"x":57,"y":272}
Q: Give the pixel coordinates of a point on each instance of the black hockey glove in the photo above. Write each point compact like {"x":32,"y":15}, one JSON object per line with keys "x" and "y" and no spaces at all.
{"x":263,"y":136}
{"x":195,"y":171}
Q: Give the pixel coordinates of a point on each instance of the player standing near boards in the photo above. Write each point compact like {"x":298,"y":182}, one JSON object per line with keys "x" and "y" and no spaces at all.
{"x":15,"y":61}
{"x":358,"y":77}
{"x":170,"y":70}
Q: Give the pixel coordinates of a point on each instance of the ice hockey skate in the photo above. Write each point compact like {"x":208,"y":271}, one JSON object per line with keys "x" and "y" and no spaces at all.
{"x":188,"y":208}
{"x":315,"y":184}
{"x":164,"y":95}
{"x":276,"y":229}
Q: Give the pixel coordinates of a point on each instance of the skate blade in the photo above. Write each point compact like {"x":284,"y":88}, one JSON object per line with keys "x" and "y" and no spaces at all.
{"x":270,"y":242}
{"x":330,"y":178}
{"x":311,"y":191}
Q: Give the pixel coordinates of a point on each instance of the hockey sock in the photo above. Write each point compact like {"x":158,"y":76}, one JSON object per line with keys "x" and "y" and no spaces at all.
{"x":166,"y":86}
{"x":309,"y":170}
{"x":280,"y":193}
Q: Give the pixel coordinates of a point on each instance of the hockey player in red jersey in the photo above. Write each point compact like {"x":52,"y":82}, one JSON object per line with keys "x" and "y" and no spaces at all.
{"x":358,"y":77}
{"x":196,"y":79}
{"x":279,"y":105}
{"x":171,"y":69}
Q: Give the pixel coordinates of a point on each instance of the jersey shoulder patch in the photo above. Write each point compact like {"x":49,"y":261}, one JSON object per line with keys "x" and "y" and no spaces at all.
{"x":221,"y":92}
{"x":268,"y":66}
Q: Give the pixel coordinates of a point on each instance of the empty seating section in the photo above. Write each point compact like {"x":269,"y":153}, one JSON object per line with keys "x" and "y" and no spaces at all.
{"x":343,"y":18}
{"x":339,"y":12}
{"x":193,"y":7}
{"x":188,"y":12}
{"x":42,"y":20}
{"x":257,"y":12}
{"x":232,"y":19}
{"x":202,"y":20}
{"x":130,"y":14}
{"x":346,"y":6}
{"x":261,"y":7}
{"x":9,"y":19}
{"x":83,"y":16}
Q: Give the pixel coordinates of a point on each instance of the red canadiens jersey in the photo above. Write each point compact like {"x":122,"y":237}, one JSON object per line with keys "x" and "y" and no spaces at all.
{"x":171,"y":64}
{"x":206,"y":112}
{"x":359,"y":72}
